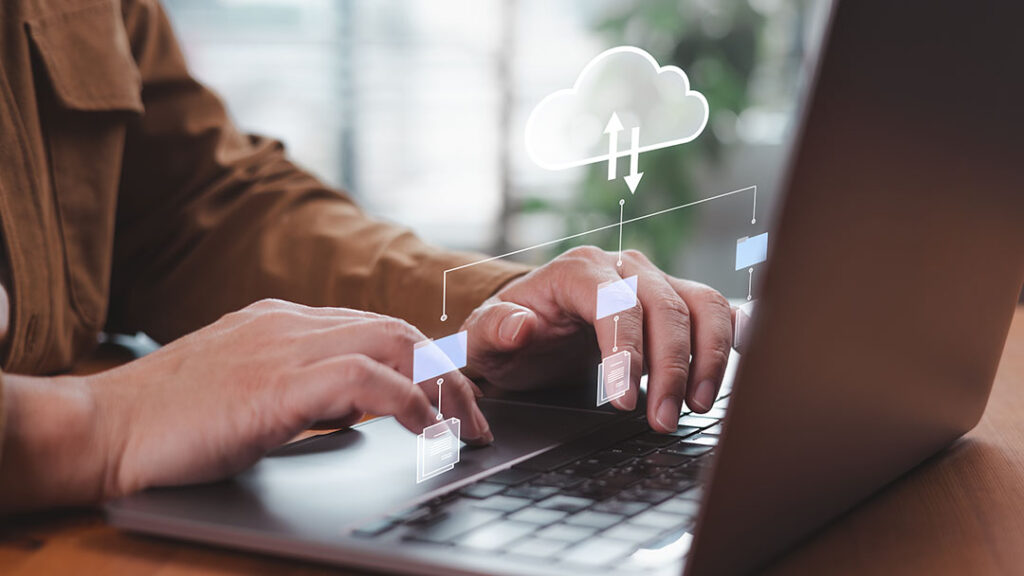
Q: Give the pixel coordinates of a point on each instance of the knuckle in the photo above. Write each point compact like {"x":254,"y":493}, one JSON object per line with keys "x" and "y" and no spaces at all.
{"x":268,"y":304}
{"x":716,"y":356}
{"x":634,"y":255}
{"x":587,"y":252}
{"x":358,"y":367}
{"x":399,"y":329}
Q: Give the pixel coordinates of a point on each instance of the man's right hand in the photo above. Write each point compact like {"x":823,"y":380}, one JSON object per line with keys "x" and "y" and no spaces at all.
{"x":213,"y":402}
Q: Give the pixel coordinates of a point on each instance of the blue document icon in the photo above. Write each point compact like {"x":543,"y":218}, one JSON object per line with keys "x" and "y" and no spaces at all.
{"x":432,"y":358}
{"x":615,"y":296}
{"x":750,"y":251}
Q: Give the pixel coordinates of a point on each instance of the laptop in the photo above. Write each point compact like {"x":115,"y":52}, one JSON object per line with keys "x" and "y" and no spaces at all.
{"x":894,"y":270}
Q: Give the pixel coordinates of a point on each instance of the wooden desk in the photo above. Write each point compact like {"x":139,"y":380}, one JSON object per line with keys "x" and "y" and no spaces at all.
{"x":960,"y":513}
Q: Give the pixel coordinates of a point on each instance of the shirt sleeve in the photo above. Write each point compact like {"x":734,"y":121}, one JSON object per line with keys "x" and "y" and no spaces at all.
{"x":210,"y":220}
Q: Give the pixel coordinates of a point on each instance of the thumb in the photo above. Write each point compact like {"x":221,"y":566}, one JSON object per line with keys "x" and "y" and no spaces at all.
{"x":501,"y":326}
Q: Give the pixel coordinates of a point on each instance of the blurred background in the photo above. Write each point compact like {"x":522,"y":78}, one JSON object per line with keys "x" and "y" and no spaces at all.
{"x":418,"y":110}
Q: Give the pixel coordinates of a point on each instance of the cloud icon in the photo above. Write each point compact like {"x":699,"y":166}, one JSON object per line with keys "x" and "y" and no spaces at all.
{"x":574,"y":127}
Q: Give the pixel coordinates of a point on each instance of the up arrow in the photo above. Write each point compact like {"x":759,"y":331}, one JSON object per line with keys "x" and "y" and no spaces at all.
{"x":633,"y":180}
{"x":612,"y":130}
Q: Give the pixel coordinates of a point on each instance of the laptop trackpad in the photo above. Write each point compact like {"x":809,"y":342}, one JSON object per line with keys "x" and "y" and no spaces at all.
{"x":320,"y":485}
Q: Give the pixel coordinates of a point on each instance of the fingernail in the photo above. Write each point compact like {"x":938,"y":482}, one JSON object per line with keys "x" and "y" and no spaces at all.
{"x":511,"y":325}
{"x":481,"y":424}
{"x":667,"y":415}
{"x":704,"y":397}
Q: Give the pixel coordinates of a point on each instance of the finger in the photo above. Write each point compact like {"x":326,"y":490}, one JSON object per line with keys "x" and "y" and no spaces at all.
{"x":500,"y":327}
{"x":666,"y":342}
{"x":582,"y":271}
{"x":338,"y":387}
{"x":389,"y":341}
{"x":456,"y":397}
{"x":711,"y":318}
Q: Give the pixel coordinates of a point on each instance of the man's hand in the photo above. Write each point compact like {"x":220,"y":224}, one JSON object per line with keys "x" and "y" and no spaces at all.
{"x":540,"y":330}
{"x":212,"y":403}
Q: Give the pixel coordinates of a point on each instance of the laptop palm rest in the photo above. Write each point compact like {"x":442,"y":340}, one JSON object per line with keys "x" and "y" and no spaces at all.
{"x":316,"y":488}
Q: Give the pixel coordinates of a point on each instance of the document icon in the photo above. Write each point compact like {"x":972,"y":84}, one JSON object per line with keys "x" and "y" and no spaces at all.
{"x":437,"y":449}
{"x":615,"y":296}
{"x":431,"y":358}
{"x":612,"y":377}
{"x":750,"y":251}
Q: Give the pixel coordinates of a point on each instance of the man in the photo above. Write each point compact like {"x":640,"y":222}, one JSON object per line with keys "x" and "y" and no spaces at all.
{"x":129,"y":202}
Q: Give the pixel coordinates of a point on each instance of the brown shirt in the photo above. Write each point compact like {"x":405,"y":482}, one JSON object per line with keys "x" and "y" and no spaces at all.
{"x":129,"y":201}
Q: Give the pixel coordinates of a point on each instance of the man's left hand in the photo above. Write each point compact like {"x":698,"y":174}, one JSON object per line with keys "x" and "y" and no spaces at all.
{"x":541,"y":330}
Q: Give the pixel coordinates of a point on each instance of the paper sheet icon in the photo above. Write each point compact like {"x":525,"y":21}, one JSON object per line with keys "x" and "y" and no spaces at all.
{"x":752,"y":250}
{"x":615,"y":296}
{"x":437,"y":449}
{"x":612,"y":377}
{"x":432,"y":358}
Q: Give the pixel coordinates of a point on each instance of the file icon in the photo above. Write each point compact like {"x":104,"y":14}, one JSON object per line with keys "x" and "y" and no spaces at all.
{"x":612,"y":377}
{"x":752,"y":250}
{"x":437,"y":449}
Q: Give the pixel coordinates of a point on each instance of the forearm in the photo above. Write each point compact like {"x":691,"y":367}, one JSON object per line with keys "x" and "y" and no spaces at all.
{"x":52,"y":452}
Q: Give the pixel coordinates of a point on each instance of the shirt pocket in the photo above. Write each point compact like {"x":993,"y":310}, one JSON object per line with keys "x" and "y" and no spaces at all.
{"x":89,"y":90}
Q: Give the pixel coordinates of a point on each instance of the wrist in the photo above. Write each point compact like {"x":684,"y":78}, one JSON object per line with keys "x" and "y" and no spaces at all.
{"x":54,"y":453}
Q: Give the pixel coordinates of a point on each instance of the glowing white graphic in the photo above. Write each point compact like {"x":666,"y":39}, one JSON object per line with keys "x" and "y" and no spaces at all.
{"x":615,"y":296}
{"x":751,"y":250}
{"x":432,"y":358}
{"x":741,"y":328}
{"x":613,"y":377}
{"x":437,"y":449}
{"x":621,"y":88}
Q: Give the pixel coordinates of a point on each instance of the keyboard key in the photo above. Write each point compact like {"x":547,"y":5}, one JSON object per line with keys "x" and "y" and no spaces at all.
{"x":697,"y":421}
{"x":632,"y":533}
{"x":695,"y":493}
{"x":607,"y":458}
{"x":666,"y":459}
{"x":703,"y":439}
{"x":666,"y":483}
{"x":684,"y":431}
{"x":538,"y":516}
{"x":452,"y":525}
{"x":715,"y":430}
{"x":598,"y":552}
{"x":599,"y":520}
{"x":537,"y":548}
{"x":656,"y":519}
{"x":503,"y":503}
{"x":623,"y":507}
{"x":531,"y":491}
{"x":511,"y":477}
{"x":497,"y":535}
{"x":715,"y":413}
{"x":565,"y":503}
{"x":481,"y":490}
{"x":594,"y":489}
{"x":679,"y":506}
{"x":687,"y":449}
{"x":566,"y":533}
{"x":633,"y":449}
{"x":655,"y":439}
{"x":557,"y":480}
{"x":649,"y":495}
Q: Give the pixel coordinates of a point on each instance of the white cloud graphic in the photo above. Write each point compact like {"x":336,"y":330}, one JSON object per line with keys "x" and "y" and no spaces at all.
{"x":567,"y":128}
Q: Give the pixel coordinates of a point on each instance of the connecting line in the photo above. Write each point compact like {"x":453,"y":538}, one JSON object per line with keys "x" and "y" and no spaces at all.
{"x":439,"y":382}
{"x":444,"y":276}
{"x":750,"y":285}
{"x":615,"y":340}
{"x":621,"y":204}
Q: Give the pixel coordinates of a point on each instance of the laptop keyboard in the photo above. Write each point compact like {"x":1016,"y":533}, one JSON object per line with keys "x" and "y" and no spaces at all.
{"x":599,"y":501}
